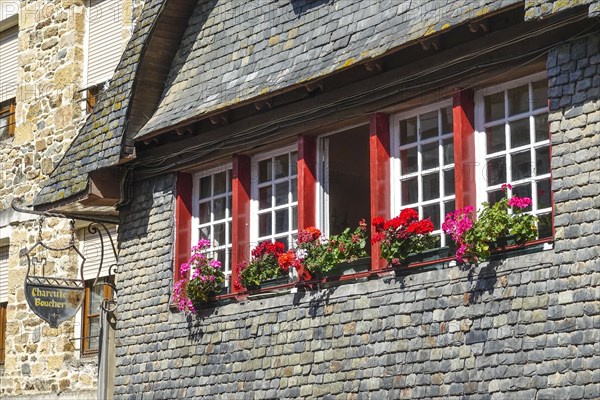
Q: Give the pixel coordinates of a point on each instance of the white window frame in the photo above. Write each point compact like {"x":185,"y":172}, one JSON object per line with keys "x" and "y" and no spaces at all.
{"x":228,"y":220}
{"x":481,"y":142}
{"x":395,"y":168}
{"x":254,"y":200}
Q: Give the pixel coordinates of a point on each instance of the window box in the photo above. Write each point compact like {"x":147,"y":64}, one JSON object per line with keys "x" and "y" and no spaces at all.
{"x":271,"y":283}
{"x":347,"y":268}
{"x":509,"y":248}
{"x":429,"y":255}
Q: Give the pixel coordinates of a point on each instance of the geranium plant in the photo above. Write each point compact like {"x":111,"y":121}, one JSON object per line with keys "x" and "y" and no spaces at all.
{"x":320,"y":255}
{"x":263,"y":265}
{"x":402,"y":236}
{"x":477,"y":235}
{"x":198,"y":279}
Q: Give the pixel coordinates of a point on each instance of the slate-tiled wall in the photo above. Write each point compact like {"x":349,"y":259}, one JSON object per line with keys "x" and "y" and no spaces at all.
{"x":526,"y":327}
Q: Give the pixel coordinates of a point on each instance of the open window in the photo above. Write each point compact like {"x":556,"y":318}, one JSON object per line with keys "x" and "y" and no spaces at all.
{"x":344,"y":176}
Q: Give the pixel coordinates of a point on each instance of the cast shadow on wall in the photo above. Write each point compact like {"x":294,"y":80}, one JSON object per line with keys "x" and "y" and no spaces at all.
{"x":302,"y":6}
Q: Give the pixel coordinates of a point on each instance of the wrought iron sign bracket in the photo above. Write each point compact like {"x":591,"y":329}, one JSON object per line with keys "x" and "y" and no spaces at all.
{"x":58,"y":299}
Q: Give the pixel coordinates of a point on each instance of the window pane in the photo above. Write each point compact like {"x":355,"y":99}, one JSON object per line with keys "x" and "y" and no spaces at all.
{"x":410,"y":191}
{"x":496,"y":171}
{"x":284,"y":240}
{"x":205,"y":187}
{"x":204,"y":216}
{"x":220,"y":182}
{"x":518,"y":100}
{"x":204,"y":232}
{"x":408,"y":131}
{"x":264,"y":197}
{"x":264,"y":224}
{"x":93,"y":332}
{"x":281,"y":193}
{"x":281,"y":221}
{"x":495,"y":196}
{"x":294,"y":163}
{"x":447,"y":120}
{"x":408,"y":160}
{"x":431,"y":186}
{"x":540,"y":93}
{"x":229,"y":232}
{"x":449,"y":206}
{"x":219,"y":208}
{"x":219,"y":235}
{"x":221,"y":256}
{"x":448,"y":149}
{"x":494,"y":107}
{"x":433,"y":212}
{"x":521,"y":165}
{"x":519,"y":133}
{"x":543,"y":194}
{"x":281,"y":166}
{"x":96,"y":298}
{"x":264,"y":171}
{"x":542,"y":160}
{"x":430,"y":153}
{"x":522,"y":191}
{"x":429,"y":125}
{"x":541,"y":127}
{"x":496,"y":139}
{"x":544,"y":225}
{"x":294,"y":218}
{"x":449,"y":182}
{"x":294,"y":184}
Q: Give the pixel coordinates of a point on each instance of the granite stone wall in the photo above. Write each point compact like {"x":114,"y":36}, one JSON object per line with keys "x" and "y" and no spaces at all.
{"x":524,"y":326}
{"x":42,"y":362}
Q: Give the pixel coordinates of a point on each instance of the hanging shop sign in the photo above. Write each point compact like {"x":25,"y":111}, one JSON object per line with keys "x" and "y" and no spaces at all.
{"x":53,"y":299}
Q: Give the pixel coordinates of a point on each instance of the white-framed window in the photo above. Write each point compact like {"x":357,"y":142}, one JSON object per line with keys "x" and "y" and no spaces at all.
{"x":422,"y":150}
{"x":97,"y":264}
{"x":103,"y":40}
{"x":212,"y":214}
{"x":513,"y":144}
{"x":4,"y":272}
{"x":9,"y":56}
{"x":275,"y":196}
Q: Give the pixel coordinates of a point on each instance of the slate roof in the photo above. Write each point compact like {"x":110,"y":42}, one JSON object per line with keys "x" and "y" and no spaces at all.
{"x":236,"y":50}
{"x":99,"y":142}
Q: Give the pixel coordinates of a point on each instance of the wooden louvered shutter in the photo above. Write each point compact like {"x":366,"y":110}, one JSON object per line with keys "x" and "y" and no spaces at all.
{"x":92,"y":252}
{"x":3,"y":274}
{"x":8,"y":63}
{"x":105,"y":22}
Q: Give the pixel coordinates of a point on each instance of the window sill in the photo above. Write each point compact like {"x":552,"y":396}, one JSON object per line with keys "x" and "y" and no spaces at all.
{"x":342,"y":279}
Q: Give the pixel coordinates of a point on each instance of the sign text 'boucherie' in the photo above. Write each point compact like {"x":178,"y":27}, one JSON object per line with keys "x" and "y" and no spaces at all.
{"x":53,"y":303}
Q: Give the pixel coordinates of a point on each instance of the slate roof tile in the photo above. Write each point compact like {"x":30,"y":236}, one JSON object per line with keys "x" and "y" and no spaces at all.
{"x":98,"y":143}
{"x":233,"y":51}
{"x":326,"y":37}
